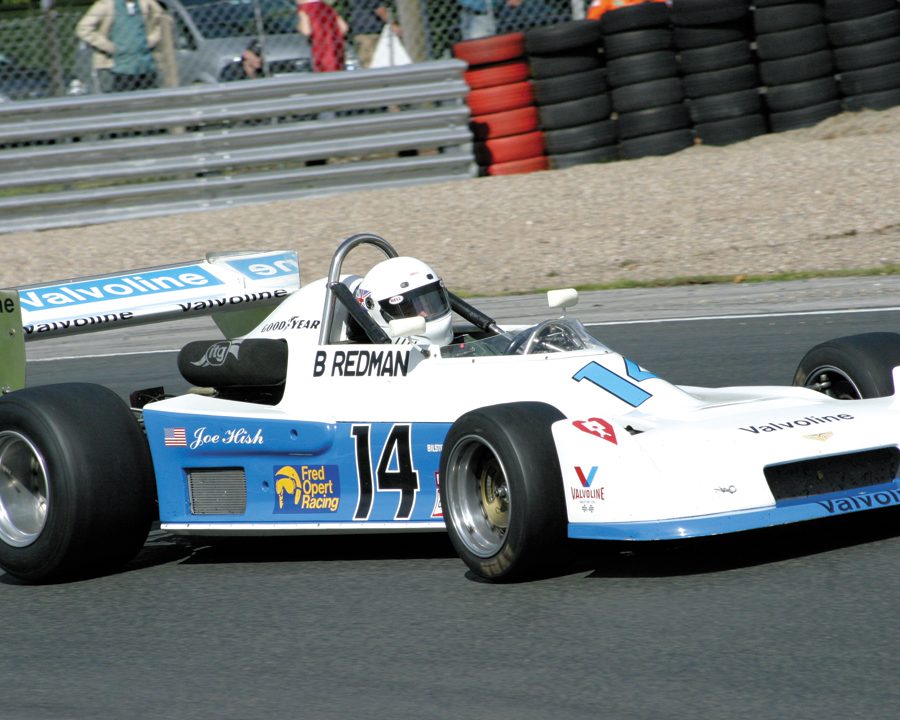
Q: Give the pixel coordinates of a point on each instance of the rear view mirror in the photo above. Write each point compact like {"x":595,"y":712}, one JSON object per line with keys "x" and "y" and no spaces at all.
{"x":564,"y":298}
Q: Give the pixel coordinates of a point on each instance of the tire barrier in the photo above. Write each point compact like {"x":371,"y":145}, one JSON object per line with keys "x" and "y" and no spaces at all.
{"x":654,"y":78}
{"x":865,"y":37}
{"x":719,"y":70}
{"x":504,"y":123}
{"x":647,"y":93}
{"x":796,"y":65}
{"x":570,"y":87}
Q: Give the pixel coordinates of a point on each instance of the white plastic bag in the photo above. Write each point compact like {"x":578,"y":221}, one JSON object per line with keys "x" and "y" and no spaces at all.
{"x":389,"y":51}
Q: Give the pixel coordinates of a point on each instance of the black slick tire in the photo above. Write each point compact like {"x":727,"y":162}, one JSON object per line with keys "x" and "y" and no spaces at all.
{"x":80,"y":497}
{"x":501,"y":490}
{"x":852,"y":367}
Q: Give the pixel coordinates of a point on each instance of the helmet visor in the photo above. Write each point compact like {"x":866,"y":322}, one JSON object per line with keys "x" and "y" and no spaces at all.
{"x":429,"y":301}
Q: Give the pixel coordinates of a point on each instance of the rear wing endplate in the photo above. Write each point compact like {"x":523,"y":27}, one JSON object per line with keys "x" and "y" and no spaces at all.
{"x":12,"y":345}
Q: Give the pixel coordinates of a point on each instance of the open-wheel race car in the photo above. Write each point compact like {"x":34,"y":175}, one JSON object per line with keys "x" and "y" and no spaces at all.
{"x":386,"y":403}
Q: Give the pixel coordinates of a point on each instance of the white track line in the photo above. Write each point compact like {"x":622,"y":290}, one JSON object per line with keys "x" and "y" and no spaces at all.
{"x":750,"y":316}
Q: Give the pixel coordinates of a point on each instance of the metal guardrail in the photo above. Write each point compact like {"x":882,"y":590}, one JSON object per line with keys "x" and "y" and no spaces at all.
{"x":77,"y":161}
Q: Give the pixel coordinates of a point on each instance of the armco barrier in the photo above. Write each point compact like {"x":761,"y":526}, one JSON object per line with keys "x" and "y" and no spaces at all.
{"x":76,"y":161}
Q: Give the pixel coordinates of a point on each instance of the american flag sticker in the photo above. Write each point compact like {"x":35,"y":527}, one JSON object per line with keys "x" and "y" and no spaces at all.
{"x":175,"y":437}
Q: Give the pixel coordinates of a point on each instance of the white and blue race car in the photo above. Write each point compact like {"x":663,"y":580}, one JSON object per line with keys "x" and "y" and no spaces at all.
{"x":312,"y":418}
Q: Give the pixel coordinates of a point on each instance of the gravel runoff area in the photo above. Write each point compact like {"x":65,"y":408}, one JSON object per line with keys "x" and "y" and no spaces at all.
{"x":817,"y":199}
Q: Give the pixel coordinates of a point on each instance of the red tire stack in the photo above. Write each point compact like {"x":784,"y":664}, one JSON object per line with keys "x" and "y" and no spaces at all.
{"x":504,"y":121}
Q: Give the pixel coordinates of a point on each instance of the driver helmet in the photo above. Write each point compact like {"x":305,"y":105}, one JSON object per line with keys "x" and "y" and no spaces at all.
{"x":403,"y":287}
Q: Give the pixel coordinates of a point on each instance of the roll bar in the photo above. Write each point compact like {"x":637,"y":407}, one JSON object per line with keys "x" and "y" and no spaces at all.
{"x":334,"y":274}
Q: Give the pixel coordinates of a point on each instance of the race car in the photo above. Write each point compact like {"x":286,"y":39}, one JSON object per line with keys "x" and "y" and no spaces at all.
{"x":386,"y":403}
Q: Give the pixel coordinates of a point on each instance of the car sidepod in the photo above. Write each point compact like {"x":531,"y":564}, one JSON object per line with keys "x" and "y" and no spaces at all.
{"x":232,"y":474}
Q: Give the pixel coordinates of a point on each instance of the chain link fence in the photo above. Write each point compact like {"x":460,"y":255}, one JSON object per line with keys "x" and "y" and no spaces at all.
{"x":51,"y":48}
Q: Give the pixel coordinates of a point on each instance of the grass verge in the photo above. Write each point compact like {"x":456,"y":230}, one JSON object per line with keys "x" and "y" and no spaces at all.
{"x":888,"y":269}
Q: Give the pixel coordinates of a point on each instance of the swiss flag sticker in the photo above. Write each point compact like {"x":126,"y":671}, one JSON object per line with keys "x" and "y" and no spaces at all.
{"x":598,"y":427}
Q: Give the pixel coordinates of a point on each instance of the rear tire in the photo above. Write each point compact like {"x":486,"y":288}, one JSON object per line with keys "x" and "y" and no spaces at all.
{"x":501,"y":490}
{"x":852,"y":367}
{"x":76,"y":490}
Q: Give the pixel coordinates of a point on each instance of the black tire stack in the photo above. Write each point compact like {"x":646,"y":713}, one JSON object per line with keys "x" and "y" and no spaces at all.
{"x":795,"y":63}
{"x":715,"y":54}
{"x":865,"y":37}
{"x":645,"y":87}
{"x":569,"y":82}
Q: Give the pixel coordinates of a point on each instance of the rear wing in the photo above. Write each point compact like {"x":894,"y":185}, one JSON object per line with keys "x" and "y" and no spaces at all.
{"x":238,"y":289}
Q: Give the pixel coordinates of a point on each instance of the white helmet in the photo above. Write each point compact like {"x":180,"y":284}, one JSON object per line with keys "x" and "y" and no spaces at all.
{"x":403,"y":287}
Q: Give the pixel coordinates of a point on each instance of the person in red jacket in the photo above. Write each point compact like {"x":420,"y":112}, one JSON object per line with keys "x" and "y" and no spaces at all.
{"x":326,"y":29}
{"x":598,"y":7}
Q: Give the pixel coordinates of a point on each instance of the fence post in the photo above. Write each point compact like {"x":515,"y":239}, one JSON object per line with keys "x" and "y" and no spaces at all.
{"x":414,"y":37}
{"x":51,"y":31}
{"x":165,"y":52}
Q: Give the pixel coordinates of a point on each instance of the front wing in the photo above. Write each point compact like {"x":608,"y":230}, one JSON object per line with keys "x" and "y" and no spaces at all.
{"x":718,"y":470}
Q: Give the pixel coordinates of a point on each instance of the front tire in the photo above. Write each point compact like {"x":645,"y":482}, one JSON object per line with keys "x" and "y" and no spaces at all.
{"x":501,"y":490}
{"x":76,"y":486}
{"x":852,"y":367}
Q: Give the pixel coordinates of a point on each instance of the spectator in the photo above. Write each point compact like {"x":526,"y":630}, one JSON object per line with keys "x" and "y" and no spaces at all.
{"x":515,"y":15}
{"x":325,"y":29}
{"x":477,"y":18}
{"x":248,"y":66}
{"x":480,"y":18}
{"x":123,"y":35}
{"x":598,"y":8}
{"x":367,"y":20}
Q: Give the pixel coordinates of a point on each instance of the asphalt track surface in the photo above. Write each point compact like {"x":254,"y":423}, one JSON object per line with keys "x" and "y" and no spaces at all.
{"x":799,"y":622}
